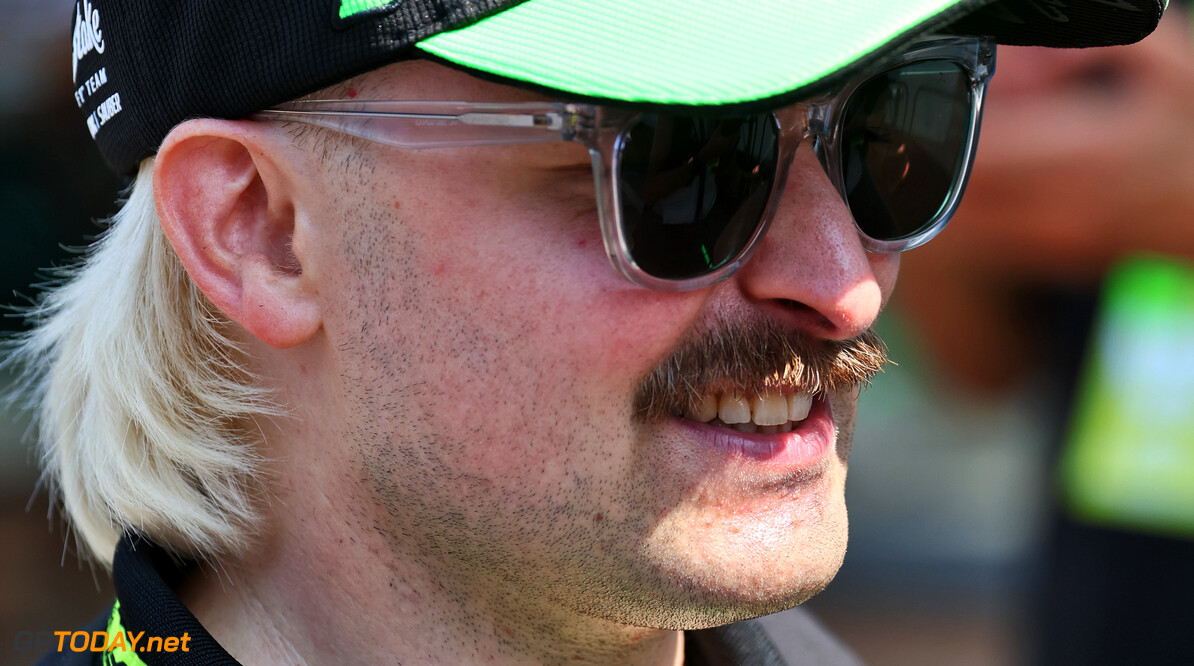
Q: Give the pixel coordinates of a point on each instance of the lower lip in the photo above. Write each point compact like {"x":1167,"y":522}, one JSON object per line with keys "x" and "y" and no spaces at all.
{"x":806,"y":446}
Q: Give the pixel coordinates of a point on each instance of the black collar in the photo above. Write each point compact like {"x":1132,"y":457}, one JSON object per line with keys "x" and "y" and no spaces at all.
{"x":145,"y":576}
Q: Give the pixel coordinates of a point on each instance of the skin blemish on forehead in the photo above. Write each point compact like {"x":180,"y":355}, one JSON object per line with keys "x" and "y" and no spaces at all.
{"x":351,"y":92}
{"x":397,"y":205}
{"x":581,"y":243}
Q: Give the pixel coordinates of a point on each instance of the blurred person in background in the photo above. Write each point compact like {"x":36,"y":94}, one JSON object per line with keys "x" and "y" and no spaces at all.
{"x":1070,"y":263}
{"x":267,"y":394}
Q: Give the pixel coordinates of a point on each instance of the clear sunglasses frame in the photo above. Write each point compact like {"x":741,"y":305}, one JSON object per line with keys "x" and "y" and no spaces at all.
{"x":420,"y":125}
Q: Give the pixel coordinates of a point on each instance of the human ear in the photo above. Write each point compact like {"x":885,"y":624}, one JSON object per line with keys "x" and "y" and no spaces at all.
{"x":227,"y":197}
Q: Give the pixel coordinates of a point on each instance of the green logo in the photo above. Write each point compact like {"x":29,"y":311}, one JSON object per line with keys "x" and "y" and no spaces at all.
{"x":350,"y":8}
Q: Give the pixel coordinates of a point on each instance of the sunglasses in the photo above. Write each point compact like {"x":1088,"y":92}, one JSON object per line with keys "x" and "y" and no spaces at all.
{"x":683,"y":200}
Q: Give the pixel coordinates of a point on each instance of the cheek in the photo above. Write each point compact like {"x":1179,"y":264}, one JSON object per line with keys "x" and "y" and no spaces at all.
{"x":529,"y":346}
{"x":845,"y":414}
{"x":886,"y":268}
{"x":490,"y":226}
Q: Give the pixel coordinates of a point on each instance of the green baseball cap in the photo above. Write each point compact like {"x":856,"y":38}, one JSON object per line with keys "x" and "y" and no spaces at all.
{"x":719,"y":52}
{"x":143,"y":66}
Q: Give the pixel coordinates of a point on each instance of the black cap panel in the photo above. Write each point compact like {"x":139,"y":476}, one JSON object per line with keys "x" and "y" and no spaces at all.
{"x":143,"y":66}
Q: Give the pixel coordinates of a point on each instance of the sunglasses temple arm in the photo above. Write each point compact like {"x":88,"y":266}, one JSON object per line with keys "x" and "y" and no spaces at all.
{"x":424,"y":131}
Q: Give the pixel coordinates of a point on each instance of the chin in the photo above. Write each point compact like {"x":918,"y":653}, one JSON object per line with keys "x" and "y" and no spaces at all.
{"x":695,"y":579}
{"x":764,"y":582}
{"x":704,"y":602}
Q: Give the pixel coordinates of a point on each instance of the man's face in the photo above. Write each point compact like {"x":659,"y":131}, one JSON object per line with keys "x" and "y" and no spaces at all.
{"x":492,"y":383}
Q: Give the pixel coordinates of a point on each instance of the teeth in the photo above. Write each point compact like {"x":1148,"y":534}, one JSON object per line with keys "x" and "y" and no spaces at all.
{"x":769,"y":409}
{"x":706,"y":409}
{"x":733,"y":410}
{"x":799,"y":405}
{"x":771,"y":412}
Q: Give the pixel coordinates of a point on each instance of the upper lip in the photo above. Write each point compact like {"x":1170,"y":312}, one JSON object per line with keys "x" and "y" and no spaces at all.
{"x":752,"y":359}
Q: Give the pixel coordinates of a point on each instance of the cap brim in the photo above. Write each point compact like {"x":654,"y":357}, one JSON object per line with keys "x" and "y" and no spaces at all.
{"x":729,"y":52}
{"x":686,"y":52}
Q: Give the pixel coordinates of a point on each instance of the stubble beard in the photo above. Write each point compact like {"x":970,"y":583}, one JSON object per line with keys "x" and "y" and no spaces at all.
{"x":624,"y":569}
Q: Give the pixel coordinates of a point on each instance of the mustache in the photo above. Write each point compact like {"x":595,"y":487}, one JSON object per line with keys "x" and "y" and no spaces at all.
{"x":753,"y":357}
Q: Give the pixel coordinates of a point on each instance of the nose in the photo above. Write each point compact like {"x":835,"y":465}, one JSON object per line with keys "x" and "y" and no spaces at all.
{"x":811,"y":270}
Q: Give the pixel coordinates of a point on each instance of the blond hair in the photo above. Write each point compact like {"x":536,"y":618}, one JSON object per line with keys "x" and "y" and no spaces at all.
{"x":145,"y":410}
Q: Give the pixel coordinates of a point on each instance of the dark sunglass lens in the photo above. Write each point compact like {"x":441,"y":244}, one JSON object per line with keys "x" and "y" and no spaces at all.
{"x":904,"y":137}
{"x":693,"y":190}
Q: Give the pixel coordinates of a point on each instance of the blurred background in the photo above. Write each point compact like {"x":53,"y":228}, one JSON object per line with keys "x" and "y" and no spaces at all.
{"x":1022,"y":484}
{"x":52,"y":186}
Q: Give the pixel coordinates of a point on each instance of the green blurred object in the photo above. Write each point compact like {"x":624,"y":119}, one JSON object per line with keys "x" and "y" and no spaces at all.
{"x":1129,"y":458}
